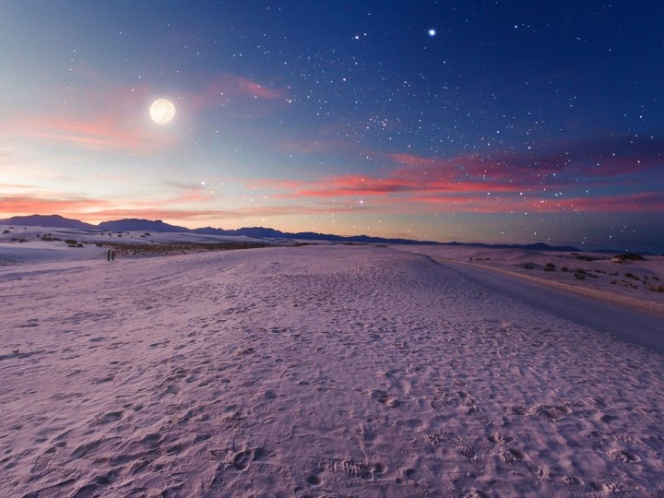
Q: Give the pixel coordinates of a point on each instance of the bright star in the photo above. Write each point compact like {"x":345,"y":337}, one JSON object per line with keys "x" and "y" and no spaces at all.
{"x":432,"y":32}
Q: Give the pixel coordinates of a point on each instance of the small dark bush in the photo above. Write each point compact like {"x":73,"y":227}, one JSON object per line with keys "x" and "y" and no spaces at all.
{"x":564,"y":268}
{"x":632,"y":276}
{"x":629,"y":256}
{"x":71,"y":241}
{"x":550,"y":267}
{"x":7,"y":231}
{"x":529,"y":266}
{"x":579,"y":276}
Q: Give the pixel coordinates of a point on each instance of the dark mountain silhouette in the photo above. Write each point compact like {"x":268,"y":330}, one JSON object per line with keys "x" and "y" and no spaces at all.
{"x":53,"y":220}
{"x":140,"y":225}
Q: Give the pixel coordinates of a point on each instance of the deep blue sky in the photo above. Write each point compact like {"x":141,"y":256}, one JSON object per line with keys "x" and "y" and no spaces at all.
{"x":496,"y":121}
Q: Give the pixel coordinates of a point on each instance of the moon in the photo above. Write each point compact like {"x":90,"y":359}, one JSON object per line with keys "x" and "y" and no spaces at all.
{"x":162,"y":111}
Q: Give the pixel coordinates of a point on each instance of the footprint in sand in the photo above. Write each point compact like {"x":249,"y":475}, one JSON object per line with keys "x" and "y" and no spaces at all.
{"x":467,"y":451}
{"x":512,"y":456}
{"x":108,"y":418}
{"x":241,"y":460}
{"x":314,"y":480}
{"x":497,"y":438}
{"x":383,"y":398}
{"x":624,"y":456}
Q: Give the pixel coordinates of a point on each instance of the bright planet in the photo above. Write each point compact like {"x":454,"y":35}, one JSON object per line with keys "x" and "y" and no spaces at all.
{"x":162,"y":111}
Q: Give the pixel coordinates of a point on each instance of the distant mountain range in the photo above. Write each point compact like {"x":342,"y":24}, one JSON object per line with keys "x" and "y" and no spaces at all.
{"x":139,"y":225}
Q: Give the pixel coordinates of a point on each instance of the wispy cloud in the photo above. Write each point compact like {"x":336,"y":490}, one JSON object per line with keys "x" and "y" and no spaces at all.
{"x":36,"y":204}
{"x":229,"y":89}
{"x":102,"y":134}
{"x":572,"y":176}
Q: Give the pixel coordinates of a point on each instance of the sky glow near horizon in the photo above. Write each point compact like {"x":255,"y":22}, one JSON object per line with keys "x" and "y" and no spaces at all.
{"x":497,"y":121}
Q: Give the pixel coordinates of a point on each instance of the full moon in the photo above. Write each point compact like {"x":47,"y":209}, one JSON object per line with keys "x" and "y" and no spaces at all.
{"x":162,"y":111}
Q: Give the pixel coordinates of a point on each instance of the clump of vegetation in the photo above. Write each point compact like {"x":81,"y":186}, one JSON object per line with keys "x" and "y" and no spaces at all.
{"x":7,"y":231}
{"x":632,"y":276}
{"x":153,"y":249}
{"x":550,"y":267}
{"x":588,"y":258}
{"x":73,"y":243}
{"x":580,"y":273}
{"x":656,"y":288}
{"x":564,"y":268}
{"x":626,"y":257}
{"x":529,"y":265}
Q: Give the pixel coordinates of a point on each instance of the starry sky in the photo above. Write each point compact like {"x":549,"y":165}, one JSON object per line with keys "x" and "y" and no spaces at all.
{"x":505,"y":121}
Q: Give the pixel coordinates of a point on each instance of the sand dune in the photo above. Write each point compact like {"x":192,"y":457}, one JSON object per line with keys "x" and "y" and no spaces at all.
{"x":311,"y":371}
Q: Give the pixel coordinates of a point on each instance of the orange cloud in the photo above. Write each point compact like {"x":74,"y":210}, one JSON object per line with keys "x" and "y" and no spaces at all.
{"x":31,"y":204}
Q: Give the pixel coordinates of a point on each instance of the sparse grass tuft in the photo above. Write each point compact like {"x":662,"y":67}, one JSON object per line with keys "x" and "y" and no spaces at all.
{"x":581,"y":274}
{"x":628,"y":256}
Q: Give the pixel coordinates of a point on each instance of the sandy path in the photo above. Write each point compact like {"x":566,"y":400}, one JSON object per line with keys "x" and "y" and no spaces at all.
{"x":625,"y":322}
{"x":312,"y":371}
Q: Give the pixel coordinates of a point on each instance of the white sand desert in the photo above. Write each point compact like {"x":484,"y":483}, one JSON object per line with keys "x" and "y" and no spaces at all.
{"x":310,"y":371}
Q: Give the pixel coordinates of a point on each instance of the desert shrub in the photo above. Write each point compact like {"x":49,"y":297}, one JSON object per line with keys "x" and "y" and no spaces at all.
{"x":564,"y":268}
{"x":657,"y":288}
{"x":632,"y":276}
{"x":629,"y":256}
{"x":614,"y":282}
{"x":550,"y":267}
{"x":580,"y":273}
{"x":529,"y":266}
{"x":71,"y":242}
{"x":7,"y":231}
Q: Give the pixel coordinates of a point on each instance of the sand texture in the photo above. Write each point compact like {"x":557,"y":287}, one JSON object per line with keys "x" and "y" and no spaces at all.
{"x":311,"y":371}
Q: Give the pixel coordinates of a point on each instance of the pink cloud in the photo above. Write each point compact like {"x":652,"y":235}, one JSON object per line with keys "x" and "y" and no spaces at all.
{"x":31,"y":204}
{"x":103,"y":134}
{"x":226,"y":87}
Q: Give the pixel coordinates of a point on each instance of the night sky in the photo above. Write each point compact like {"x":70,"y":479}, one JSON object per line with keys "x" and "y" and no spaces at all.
{"x":476,"y":121}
